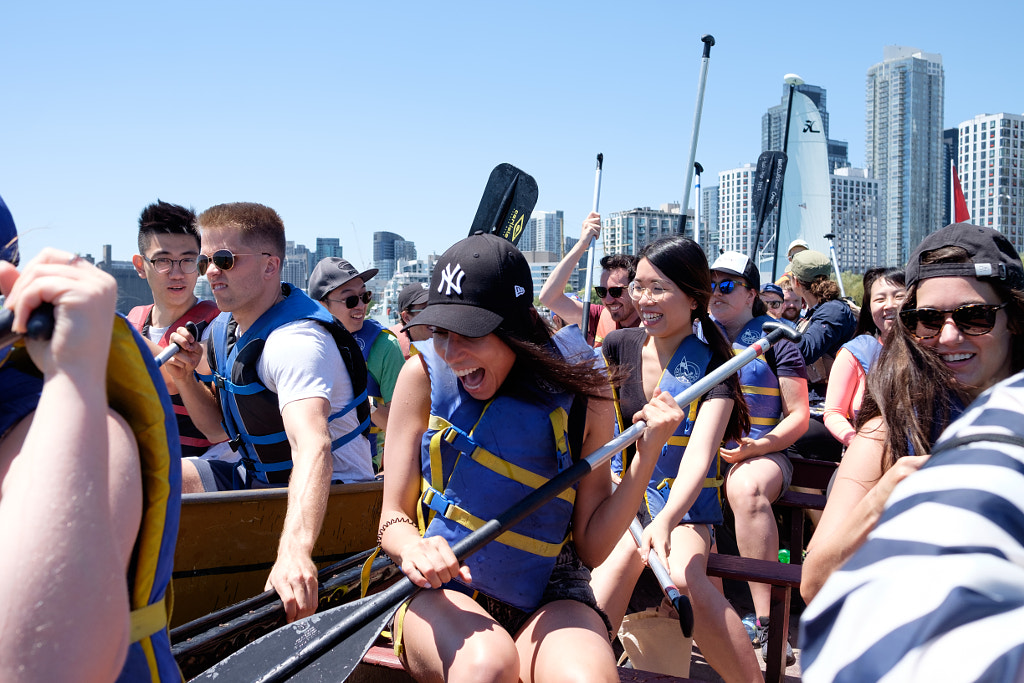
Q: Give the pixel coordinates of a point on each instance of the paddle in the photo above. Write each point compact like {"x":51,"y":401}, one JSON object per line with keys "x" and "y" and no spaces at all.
{"x":668,"y":586}
{"x":39,"y":326}
{"x":590,"y":252}
{"x":341,"y":636}
{"x":506,"y":204}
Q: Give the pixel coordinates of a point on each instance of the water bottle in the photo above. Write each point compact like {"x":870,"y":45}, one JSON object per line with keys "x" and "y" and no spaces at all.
{"x":784,"y":556}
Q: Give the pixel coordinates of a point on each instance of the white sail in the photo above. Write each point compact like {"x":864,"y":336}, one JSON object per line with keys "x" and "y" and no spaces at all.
{"x":807,"y":192}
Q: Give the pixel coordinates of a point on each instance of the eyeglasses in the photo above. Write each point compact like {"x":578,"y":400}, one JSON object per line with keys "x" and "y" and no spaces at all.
{"x":655,"y":292}
{"x":222,"y":258}
{"x":773,"y":304}
{"x":971,"y":319}
{"x":166,"y":265}
{"x":726,"y":286}
{"x":353,"y":301}
{"x":602,"y":292}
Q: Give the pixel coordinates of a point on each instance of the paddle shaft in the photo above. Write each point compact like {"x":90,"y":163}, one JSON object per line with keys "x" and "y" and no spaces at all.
{"x":390,"y":599}
{"x":708,"y":41}
{"x":590,"y":252}
{"x":39,"y":326}
{"x":668,"y":586}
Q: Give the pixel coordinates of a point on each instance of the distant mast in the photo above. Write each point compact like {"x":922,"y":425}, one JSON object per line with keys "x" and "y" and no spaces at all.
{"x":805,"y":211}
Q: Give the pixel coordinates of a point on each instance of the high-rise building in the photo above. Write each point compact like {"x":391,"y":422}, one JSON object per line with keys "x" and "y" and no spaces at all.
{"x":388,"y":248}
{"x":327,"y":247}
{"x":544,"y":232}
{"x":407,"y":271}
{"x":627,"y":232}
{"x":295,"y":268}
{"x":855,"y":219}
{"x":989,"y":161}
{"x":736,"y":217}
{"x":709,"y":221}
{"x":773,"y":125}
{"x":904,"y":147}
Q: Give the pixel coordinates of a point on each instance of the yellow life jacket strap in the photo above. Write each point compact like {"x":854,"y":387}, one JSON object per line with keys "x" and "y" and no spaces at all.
{"x":509,"y":538}
{"x":709,"y":482}
{"x":761,"y":391}
{"x":147,"y":620}
{"x":678,"y":440}
{"x":766,"y":421}
{"x":364,"y":573}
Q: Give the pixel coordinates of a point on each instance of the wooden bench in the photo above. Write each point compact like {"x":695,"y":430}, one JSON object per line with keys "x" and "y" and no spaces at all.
{"x":783,"y":578}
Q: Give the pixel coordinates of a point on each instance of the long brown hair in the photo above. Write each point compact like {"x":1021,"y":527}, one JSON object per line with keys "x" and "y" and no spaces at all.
{"x":910,"y":387}
{"x":683,"y":261}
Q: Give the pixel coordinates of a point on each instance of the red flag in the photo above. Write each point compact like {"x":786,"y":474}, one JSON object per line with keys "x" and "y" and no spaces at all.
{"x":959,"y":203}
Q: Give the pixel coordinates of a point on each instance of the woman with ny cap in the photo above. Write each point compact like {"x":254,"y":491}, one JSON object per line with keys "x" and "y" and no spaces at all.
{"x":960,"y":331}
{"x":492,"y":407}
{"x":676,"y":344}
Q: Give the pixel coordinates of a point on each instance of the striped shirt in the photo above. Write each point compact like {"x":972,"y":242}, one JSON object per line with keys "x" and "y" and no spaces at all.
{"x":936,"y":593}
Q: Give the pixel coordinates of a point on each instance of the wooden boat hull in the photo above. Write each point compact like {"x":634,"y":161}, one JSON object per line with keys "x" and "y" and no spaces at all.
{"x":227,"y":541}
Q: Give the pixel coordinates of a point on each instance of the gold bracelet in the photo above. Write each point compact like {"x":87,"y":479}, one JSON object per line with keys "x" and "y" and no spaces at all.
{"x":393,"y":520}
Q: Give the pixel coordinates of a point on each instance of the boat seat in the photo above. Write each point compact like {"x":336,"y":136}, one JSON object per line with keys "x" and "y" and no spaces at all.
{"x":783,"y":578}
{"x":812,"y":474}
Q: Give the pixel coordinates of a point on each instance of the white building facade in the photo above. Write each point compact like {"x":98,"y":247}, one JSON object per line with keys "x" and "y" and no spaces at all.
{"x":855,"y":219}
{"x":989,"y":160}
{"x":627,"y":232}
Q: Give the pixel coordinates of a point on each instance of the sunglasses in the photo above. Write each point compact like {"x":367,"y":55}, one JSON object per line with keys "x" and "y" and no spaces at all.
{"x":353,"y":301}
{"x":726,"y":286}
{"x":773,"y":304}
{"x":222,"y":258}
{"x":602,"y":292}
{"x":971,"y":319}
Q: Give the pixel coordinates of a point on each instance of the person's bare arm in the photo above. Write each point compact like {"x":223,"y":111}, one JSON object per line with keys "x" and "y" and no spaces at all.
{"x":71,"y":497}
{"x":552,"y":294}
{"x":200,"y":401}
{"x":854,"y":506}
{"x":796,"y":415}
{"x":294,"y":575}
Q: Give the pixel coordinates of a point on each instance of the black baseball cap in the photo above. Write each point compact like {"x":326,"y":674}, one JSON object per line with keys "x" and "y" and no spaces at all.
{"x":479,"y":284}
{"x":991,"y":254}
{"x":412,"y":294}
{"x":8,"y":235}
{"x":332,"y":272}
{"x":735,"y":263}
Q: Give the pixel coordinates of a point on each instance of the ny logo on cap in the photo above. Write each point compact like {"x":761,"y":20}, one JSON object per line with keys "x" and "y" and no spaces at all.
{"x":452,"y":277}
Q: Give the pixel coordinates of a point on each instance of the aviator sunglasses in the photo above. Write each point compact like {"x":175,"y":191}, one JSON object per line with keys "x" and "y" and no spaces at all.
{"x":222,"y":258}
{"x":772,"y":304}
{"x":971,"y":319}
{"x":353,"y":301}
{"x":602,"y":292}
{"x":726,"y":286}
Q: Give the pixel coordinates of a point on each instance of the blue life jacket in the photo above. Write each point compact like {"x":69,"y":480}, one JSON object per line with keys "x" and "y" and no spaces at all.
{"x":865,"y":348}
{"x":480,"y":457}
{"x":137,"y":392}
{"x":688,"y":365}
{"x":252,"y":418}
{"x":759,"y":384}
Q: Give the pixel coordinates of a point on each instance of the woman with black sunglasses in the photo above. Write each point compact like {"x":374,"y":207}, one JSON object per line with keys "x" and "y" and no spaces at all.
{"x":961,"y":331}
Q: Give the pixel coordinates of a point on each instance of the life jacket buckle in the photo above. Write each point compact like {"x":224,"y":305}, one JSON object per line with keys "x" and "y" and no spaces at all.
{"x":235,"y":443}
{"x":436,"y":501}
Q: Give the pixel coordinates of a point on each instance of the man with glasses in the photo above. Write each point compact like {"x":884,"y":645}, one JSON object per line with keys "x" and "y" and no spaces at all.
{"x":617,"y":271}
{"x":288,"y":386}
{"x":774,"y":299}
{"x":341,"y":288}
{"x":168,"y":247}
{"x":411,"y":300}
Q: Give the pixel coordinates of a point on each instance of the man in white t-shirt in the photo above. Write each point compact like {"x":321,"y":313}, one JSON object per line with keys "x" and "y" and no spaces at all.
{"x":285,"y":375}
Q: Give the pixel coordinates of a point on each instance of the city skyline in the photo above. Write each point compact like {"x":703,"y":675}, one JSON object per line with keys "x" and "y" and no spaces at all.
{"x":354,"y":120}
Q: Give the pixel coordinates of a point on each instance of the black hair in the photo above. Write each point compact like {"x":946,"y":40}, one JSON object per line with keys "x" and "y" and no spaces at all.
{"x":866,"y":323}
{"x":164,"y":218}
{"x":625,"y":261}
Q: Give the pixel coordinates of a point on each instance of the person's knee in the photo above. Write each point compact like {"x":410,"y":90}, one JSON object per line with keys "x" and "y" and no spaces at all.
{"x":486,"y":659}
{"x":191,"y":482}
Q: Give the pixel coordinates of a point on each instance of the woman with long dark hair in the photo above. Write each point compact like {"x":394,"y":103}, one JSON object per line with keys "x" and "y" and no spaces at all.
{"x":676,"y":344}
{"x":491,"y":408}
{"x":961,"y":330}
{"x":884,"y":292}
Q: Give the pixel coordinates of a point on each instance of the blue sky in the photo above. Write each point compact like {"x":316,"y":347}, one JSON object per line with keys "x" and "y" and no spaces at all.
{"x":350,"y":118}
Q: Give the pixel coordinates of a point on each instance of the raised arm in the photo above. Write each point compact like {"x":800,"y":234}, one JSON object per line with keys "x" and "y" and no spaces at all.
{"x":552,"y":294}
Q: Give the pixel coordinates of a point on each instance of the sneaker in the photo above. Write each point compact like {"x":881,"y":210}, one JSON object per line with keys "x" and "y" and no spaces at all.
{"x":762,"y":635}
{"x":750,"y":623}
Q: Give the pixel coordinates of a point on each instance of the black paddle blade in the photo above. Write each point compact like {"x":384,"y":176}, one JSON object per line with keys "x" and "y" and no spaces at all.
{"x":685,"y":610}
{"x":281,"y":654}
{"x":506,"y":204}
{"x":338,"y":663}
{"x":771,"y":169}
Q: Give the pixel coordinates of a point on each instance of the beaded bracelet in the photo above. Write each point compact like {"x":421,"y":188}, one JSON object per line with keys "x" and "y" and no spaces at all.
{"x":393,"y":520}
